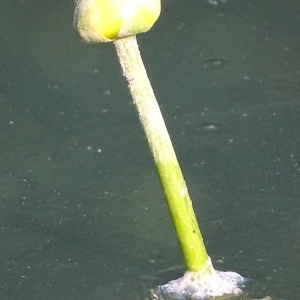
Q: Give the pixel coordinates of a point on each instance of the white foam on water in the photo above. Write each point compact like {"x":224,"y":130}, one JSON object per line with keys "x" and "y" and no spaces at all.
{"x":200,"y":286}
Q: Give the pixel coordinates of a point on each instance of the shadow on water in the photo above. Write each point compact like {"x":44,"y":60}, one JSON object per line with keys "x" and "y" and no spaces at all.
{"x":82,"y":215}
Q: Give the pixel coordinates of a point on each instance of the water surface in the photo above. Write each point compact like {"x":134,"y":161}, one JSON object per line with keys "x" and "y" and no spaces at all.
{"x":82,"y":213}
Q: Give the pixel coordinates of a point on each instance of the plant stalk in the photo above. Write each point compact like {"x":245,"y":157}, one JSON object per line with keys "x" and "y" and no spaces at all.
{"x":171,"y":177}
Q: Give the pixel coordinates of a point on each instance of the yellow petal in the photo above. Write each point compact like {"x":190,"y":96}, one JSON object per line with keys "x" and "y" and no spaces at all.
{"x":107,"y":20}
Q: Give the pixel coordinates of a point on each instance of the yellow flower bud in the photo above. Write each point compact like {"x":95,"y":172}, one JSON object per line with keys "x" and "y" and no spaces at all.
{"x":108,"y":20}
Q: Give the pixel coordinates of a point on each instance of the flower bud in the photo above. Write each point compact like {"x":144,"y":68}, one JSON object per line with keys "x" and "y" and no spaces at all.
{"x":108,"y":20}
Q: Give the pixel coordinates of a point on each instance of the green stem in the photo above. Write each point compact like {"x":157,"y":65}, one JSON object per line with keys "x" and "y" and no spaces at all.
{"x":175,"y":190}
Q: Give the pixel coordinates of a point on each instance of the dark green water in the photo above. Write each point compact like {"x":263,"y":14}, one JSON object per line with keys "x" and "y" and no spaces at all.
{"x":82,"y":215}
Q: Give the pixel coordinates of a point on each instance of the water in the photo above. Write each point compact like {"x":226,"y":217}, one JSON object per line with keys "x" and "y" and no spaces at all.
{"x":82,"y":213}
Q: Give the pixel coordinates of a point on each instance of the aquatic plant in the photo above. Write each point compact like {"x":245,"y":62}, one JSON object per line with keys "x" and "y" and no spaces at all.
{"x":119,"y":21}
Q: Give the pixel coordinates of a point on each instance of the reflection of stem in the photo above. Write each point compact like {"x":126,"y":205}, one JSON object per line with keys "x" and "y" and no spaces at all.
{"x":168,"y":168}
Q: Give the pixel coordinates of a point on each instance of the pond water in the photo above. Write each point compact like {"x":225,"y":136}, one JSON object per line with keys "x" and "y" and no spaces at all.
{"x":82,"y":214}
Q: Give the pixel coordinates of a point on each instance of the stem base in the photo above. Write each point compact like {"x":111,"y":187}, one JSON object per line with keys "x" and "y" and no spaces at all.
{"x":200,"y":285}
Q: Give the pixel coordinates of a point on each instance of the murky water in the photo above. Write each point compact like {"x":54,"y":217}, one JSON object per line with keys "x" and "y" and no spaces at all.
{"x":82,"y":215}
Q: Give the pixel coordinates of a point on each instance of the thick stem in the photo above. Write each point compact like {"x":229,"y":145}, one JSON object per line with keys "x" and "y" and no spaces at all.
{"x":174,"y":186}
